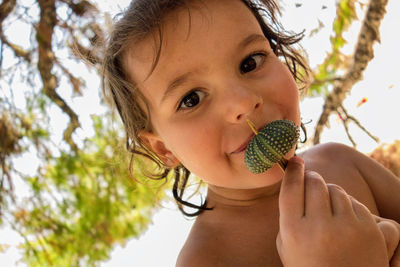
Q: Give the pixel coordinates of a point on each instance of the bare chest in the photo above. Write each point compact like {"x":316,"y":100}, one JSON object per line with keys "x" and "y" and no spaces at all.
{"x":252,"y":247}
{"x":245,"y":240}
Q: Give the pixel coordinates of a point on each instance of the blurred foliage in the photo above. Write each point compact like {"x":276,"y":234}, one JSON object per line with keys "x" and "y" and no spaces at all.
{"x":389,"y":156}
{"x":327,"y":72}
{"x":83,"y":204}
{"x":81,"y":200}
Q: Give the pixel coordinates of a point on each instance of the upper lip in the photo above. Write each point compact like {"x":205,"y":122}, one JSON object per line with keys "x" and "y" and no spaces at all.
{"x":244,"y":145}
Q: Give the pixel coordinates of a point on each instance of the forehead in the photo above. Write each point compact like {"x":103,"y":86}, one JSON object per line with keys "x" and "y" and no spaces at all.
{"x":188,"y":36}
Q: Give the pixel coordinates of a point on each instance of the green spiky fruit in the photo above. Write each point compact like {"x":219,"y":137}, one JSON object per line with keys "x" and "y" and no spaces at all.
{"x":270,"y":144}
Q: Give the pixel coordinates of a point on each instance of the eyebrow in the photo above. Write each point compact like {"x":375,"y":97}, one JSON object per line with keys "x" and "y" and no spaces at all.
{"x":178,"y":81}
{"x":252,"y":38}
{"x":181,"y":79}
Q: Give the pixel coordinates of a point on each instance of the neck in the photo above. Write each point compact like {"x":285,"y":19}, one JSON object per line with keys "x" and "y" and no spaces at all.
{"x":242,"y":197}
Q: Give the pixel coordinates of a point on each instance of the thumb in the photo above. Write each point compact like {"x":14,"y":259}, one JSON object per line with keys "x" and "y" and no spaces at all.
{"x":291,"y":196}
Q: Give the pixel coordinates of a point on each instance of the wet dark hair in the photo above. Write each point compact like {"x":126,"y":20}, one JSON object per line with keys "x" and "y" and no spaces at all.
{"x":143,"y":19}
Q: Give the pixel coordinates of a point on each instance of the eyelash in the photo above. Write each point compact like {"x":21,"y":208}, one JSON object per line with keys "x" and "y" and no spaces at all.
{"x":262,"y":54}
{"x":187,"y":95}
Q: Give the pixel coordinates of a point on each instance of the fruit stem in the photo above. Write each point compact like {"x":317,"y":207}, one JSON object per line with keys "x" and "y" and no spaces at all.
{"x":253,"y":128}
{"x":283,"y":163}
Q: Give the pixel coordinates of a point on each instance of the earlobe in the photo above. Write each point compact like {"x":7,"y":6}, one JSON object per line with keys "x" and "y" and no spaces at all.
{"x":156,"y":144}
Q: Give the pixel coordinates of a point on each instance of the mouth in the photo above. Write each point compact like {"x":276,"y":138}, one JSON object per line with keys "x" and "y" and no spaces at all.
{"x":243,"y":146}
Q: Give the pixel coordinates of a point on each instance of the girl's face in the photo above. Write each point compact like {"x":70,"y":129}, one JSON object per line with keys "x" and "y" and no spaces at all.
{"x":215,"y":70}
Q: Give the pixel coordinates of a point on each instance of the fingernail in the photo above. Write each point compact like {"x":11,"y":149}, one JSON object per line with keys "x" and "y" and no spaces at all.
{"x":297,"y":159}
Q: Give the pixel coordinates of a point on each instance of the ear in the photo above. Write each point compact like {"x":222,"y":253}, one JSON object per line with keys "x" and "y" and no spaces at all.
{"x":156,"y":144}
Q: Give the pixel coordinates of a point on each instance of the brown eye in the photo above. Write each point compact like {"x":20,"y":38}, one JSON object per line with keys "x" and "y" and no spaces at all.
{"x":191,"y":100}
{"x":251,"y":63}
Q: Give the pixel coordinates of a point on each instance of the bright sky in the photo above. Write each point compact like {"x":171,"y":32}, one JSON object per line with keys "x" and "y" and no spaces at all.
{"x":160,"y":244}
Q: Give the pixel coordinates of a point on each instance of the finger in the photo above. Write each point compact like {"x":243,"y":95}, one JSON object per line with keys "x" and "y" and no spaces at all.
{"x":291,"y":197}
{"x":380,"y":219}
{"x":317,"y":202}
{"x":392,"y":236}
{"x":361,"y":211}
{"x":395,"y":257}
{"x":340,"y":200}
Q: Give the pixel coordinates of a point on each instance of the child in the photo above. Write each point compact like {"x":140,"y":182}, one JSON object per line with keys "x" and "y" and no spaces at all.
{"x":185,"y":76}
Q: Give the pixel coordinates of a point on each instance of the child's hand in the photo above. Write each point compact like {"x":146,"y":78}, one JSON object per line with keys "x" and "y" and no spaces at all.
{"x":320,"y":225}
{"x":391,"y":232}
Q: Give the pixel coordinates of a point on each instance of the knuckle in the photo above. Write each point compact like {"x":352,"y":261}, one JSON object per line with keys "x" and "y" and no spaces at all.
{"x":335,"y":187}
{"x":314,"y":179}
{"x":337,"y":191}
{"x":361,"y":208}
{"x":394,"y":223}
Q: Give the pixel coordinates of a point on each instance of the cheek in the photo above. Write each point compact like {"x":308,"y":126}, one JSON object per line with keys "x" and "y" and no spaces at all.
{"x":288,"y":92}
{"x":193,"y":143}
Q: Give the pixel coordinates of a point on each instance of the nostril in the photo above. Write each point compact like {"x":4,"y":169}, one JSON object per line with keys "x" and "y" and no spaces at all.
{"x":240,"y":116}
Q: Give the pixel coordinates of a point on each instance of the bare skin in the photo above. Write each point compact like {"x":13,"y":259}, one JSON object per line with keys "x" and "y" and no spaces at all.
{"x":244,"y":233}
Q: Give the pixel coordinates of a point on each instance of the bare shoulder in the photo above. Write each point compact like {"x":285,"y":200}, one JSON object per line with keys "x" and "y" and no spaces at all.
{"x":359,"y":175}
{"x":328,"y":151}
{"x":191,"y":256}
{"x":336,"y":163}
{"x":333,"y":155}
{"x":196,"y":250}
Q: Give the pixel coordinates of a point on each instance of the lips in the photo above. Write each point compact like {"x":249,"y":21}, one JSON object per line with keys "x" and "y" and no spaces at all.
{"x":243,"y":146}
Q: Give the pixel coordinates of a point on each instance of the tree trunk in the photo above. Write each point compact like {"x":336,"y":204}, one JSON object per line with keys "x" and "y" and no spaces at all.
{"x":363,"y":54}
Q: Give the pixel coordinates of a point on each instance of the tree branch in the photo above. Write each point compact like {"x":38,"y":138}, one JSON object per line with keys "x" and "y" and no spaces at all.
{"x":6,"y":7}
{"x":346,"y":118}
{"x":346,"y":127}
{"x":44,"y":35}
{"x":362,"y":56}
{"x":18,"y":51}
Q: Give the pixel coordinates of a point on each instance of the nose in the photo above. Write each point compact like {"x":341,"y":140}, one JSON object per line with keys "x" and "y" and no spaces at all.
{"x":241,"y":103}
